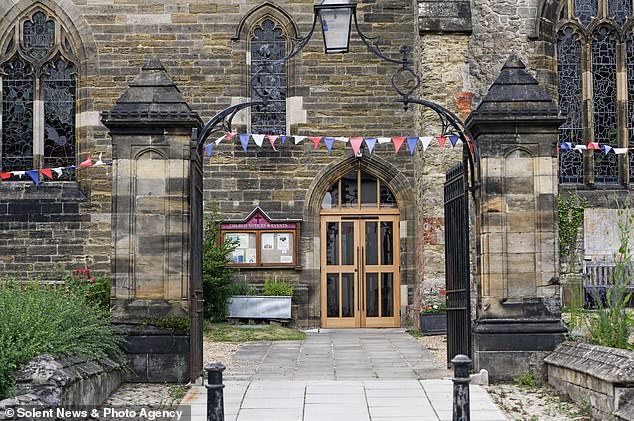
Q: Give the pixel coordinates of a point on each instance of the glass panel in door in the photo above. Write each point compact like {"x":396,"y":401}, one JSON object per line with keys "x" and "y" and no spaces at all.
{"x":340,"y":304}
{"x":379,"y":271}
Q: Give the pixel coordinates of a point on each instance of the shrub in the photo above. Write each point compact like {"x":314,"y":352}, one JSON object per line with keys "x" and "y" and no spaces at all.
{"x":276,"y":287}
{"x":217,"y":277}
{"x":242,"y":288}
{"x":38,"y":319}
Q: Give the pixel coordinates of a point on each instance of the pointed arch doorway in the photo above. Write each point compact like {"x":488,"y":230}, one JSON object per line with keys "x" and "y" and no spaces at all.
{"x":360,"y":243}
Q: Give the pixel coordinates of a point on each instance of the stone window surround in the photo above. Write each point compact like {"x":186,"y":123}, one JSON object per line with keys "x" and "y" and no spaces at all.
{"x":295,"y":112}
{"x":566,"y":19}
{"x":61,"y":49}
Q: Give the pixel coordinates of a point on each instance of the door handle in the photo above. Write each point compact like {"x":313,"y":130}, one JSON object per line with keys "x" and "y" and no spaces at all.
{"x":356,"y":269}
{"x":362,"y":283}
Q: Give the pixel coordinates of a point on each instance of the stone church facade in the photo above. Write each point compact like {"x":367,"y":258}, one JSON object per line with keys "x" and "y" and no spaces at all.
{"x":64,"y":62}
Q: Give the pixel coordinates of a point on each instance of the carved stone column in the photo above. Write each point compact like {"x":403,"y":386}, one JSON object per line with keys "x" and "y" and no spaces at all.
{"x":151,"y":128}
{"x":518,"y":318}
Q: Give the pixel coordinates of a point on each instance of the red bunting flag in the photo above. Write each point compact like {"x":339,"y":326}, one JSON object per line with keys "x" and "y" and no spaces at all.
{"x":316,"y":140}
{"x":87,"y":162}
{"x":230,"y":135}
{"x":441,"y":141}
{"x":356,"y":142}
{"x":593,"y":145}
{"x":47,"y":172}
{"x":398,"y":142}
{"x":5,"y":175}
{"x":272,"y":138}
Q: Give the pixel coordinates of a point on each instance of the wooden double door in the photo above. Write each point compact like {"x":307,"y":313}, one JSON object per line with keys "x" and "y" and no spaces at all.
{"x":360,"y":285}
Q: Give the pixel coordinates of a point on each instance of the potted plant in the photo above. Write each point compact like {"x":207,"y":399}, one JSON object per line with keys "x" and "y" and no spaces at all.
{"x":274,"y":303}
{"x":433,"y":319}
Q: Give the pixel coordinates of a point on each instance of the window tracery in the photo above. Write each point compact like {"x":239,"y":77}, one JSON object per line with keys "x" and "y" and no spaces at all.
{"x":267,"y":44}
{"x":595,"y":100}
{"x":38,"y":76}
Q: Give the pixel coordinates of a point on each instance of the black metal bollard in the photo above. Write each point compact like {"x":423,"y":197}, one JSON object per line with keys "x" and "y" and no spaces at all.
{"x":215,"y":401}
{"x":461,"y":379}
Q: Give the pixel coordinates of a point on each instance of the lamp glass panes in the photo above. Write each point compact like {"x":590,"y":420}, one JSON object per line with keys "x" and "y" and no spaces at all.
{"x":336,"y":18}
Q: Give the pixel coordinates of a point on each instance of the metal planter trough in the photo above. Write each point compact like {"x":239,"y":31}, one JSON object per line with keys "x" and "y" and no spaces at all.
{"x":259,"y":307}
{"x":433,"y":324}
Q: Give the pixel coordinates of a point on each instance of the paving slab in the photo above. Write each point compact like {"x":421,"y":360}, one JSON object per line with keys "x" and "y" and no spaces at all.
{"x":340,"y":375}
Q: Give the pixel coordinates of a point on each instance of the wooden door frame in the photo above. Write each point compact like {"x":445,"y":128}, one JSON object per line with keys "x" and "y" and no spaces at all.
{"x":360,"y":320}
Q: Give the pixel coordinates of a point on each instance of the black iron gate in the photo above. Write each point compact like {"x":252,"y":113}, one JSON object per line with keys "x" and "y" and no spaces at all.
{"x":457,"y":262}
{"x":196,"y":281}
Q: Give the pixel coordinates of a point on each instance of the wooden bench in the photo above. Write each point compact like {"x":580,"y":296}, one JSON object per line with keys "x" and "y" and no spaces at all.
{"x":598,"y":277}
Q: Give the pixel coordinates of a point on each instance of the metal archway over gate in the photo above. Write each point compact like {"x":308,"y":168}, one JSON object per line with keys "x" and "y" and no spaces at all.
{"x":462,"y":182}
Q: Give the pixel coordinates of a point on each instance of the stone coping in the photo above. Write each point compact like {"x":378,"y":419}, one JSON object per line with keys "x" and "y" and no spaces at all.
{"x":50,"y":381}
{"x":612,"y":365}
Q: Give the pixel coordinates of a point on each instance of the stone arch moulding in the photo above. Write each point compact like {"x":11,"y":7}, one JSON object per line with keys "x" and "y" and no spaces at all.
{"x":548,"y":13}
{"x":374,"y":165}
{"x":80,"y":36}
{"x":266,"y":9}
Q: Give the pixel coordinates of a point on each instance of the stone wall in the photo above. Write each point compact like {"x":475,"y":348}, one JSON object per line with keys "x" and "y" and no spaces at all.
{"x":335,"y":95}
{"x":599,"y":376}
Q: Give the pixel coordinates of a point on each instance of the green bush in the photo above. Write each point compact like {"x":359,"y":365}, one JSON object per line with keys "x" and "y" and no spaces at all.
{"x":38,"y":319}
{"x":276,"y":287}
{"x":217,"y":277}
{"x":242,"y":288}
{"x":96,"y":291}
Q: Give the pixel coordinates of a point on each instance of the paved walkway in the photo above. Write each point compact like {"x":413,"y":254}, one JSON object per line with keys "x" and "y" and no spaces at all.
{"x":348,"y":375}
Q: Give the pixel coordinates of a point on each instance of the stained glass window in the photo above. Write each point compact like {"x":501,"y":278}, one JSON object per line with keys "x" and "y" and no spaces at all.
{"x":585,"y":10}
{"x":17,"y":115}
{"x":596,"y":101}
{"x":570,"y":94}
{"x":604,"y":102}
{"x":620,"y":10}
{"x":630,"y":102}
{"x":38,"y":98}
{"x":268,"y":43}
{"x":59,"y":114}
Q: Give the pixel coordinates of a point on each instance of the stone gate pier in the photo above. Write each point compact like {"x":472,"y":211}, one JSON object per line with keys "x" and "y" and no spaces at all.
{"x":152,"y":146}
{"x":518,"y":317}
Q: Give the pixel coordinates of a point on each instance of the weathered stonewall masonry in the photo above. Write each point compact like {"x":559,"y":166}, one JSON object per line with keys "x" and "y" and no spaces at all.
{"x":598,"y":376}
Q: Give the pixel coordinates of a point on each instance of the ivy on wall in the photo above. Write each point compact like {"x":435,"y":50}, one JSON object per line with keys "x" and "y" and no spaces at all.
{"x":570,"y":211}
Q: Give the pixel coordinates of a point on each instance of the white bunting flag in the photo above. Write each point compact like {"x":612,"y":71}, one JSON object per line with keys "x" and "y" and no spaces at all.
{"x":620,"y":151}
{"x":299,"y":139}
{"x":258,"y":139}
{"x":382,"y":140}
{"x":220,"y":139}
{"x":426,"y":140}
{"x":100,"y":162}
{"x":59,"y":171}
{"x":342,"y":139}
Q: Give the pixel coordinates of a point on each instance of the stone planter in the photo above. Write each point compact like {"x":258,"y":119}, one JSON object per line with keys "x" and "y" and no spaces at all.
{"x":259,"y":307}
{"x":433,"y":324}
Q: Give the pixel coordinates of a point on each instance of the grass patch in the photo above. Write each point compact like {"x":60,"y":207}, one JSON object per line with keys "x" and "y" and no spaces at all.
{"x":178,"y":391}
{"x":224,"y":332}
{"x":415,"y":333}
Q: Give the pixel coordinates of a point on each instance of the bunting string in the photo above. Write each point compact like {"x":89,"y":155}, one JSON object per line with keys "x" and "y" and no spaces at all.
{"x":568,"y":146}
{"x":356,"y":143}
{"x":34,"y":175}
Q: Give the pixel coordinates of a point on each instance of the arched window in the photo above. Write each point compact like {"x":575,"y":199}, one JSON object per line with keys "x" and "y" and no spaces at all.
{"x":38,"y":76}
{"x":358,"y":189}
{"x":267,"y":43}
{"x":596,"y":101}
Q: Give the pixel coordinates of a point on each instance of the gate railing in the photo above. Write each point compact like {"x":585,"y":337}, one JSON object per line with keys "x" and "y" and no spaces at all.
{"x":457,"y":271}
